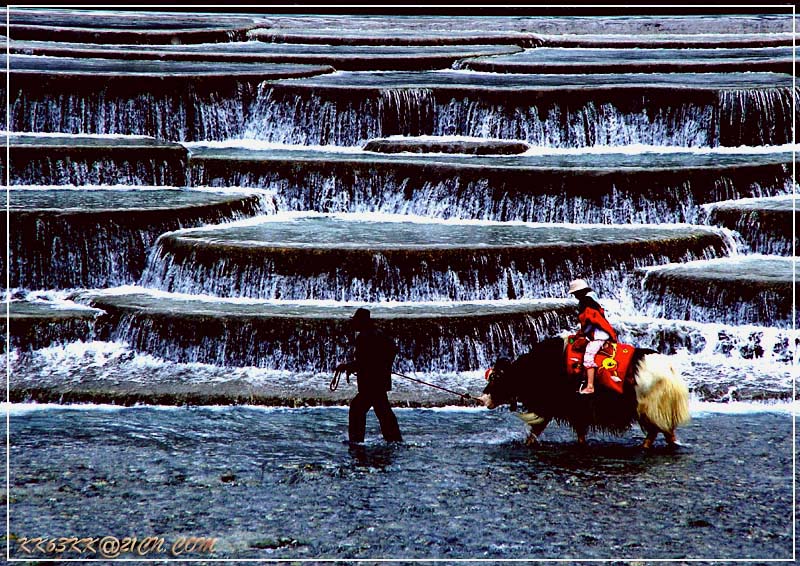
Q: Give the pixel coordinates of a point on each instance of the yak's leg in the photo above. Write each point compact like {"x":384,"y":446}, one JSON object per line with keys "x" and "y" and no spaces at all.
{"x":534,"y":432}
{"x":671,"y":438}
{"x":580,"y":432}
{"x":651,"y":438}
{"x":650,"y":429}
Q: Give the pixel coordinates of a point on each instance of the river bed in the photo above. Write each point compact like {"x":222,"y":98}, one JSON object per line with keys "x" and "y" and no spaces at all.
{"x":279,"y":483}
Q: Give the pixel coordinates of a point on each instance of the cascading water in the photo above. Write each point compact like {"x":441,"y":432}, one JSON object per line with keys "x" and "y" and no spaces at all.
{"x":766,"y":225}
{"x":491,"y":188}
{"x":647,"y":117}
{"x":191,"y":115}
{"x":757,"y":116}
{"x":101,"y":172}
{"x":276,"y":117}
{"x":101,"y":237}
{"x":420,"y":261}
{"x":289,"y":113}
{"x":432,"y":337}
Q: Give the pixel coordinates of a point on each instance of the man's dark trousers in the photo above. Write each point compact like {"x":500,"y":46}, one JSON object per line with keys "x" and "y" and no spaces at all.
{"x":360,"y":406}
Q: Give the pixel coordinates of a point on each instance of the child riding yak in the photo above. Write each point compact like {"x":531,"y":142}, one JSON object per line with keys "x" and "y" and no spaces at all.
{"x":594,"y":327}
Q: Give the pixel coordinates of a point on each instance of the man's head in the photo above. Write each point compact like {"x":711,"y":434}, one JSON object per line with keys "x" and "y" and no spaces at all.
{"x":361,"y":319}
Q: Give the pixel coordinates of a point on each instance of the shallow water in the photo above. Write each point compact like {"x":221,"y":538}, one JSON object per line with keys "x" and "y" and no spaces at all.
{"x":281,"y":483}
{"x":99,"y":199}
{"x":452,"y":79}
{"x":345,"y":231}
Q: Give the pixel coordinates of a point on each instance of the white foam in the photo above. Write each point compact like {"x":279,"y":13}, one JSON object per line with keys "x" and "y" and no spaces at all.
{"x":78,"y":136}
{"x":704,"y":408}
{"x":21,"y":409}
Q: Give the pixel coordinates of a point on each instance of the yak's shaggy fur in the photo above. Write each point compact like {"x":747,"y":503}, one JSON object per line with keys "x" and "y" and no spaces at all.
{"x":662,"y":395}
{"x":659,"y":401}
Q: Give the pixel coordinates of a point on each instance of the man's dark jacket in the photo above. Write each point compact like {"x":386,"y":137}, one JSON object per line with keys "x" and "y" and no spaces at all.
{"x":374,"y":355}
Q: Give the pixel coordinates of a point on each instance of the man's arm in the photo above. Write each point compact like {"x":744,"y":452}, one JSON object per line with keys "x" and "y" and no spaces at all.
{"x":345,"y":367}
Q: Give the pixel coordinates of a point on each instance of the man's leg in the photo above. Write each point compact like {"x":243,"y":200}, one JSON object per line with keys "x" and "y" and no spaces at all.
{"x":387,"y":418}
{"x":359,"y":407}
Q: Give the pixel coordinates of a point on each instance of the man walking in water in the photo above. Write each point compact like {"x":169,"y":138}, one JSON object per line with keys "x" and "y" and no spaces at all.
{"x":374,"y":356}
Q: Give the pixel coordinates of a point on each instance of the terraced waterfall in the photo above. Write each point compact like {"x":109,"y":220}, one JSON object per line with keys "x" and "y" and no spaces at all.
{"x":196,"y":210}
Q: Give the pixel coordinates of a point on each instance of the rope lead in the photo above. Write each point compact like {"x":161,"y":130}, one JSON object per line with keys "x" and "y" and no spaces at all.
{"x":334,"y":385}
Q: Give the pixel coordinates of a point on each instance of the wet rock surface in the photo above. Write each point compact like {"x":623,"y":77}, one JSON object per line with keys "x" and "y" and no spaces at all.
{"x":32,"y":325}
{"x":463,"y":485}
{"x":307,"y":337}
{"x":669,"y":41}
{"x":63,"y":238}
{"x":350,"y":257}
{"x":755,"y":289}
{"x":23,"y":66}
{"x":87,"y":160}
{"x":647,"y":187}
{"x":432,"y":145}
{"x":525,"y":84}
{"x":766,"y":224}
{"x":583,"y":60}
{"x":341,"y":57}
{"x":531,"y":31}
{"x":122,"y":26}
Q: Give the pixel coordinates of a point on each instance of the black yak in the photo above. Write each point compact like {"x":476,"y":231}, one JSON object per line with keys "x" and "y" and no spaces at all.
{"x":656,"y":397}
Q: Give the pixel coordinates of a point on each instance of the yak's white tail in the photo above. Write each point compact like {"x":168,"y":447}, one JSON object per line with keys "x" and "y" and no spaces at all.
{"x":662,"y":395}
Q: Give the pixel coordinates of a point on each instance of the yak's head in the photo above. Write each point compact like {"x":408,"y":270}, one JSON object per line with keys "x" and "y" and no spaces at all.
{"x":500,"y":387}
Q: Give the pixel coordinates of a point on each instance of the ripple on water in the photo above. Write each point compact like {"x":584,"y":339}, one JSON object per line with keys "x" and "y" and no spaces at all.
{"x":462,"y":486}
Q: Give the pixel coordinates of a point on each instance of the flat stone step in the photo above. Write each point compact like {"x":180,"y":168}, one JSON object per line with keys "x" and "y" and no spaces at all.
{"x":566,"y":110}
{"x":457,"y":82}
{"x":175,"y":100}
{"x":126,"y":27}
{"x":739,"y":290}
{"x":444,"y":145}
{"x":341,"y":57}
{"x":530,"y":30}
{"x":95,"y":160}
{"x":395,"y":31}
{"x":669,"y":40}
{"x":766,"y":224}
{"x":568,"y":186}
{"x":100,"y":236}
{"x":352,"y":257}
{"x":61,"y":69}
{"x":40,"y":324}
{"x":314,"y":336}
{"x":628,"y":60}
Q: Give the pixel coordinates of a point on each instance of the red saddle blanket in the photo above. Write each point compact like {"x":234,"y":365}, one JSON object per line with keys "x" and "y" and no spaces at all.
{"x":613,"y":362}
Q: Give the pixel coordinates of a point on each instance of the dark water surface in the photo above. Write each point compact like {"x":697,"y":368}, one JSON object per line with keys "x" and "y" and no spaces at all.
{"x":280,"y":483}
